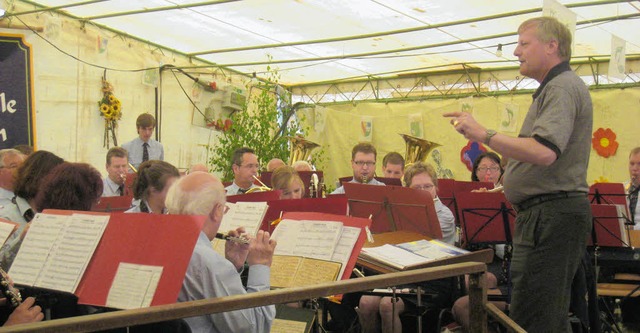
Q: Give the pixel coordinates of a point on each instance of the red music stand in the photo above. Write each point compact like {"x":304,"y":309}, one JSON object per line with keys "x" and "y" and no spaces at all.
{"x":609,"y":227}
{"x":113,"y":204}
{"x":608,"y":193}
{"x":445,"y":193}
{"x":394,"y":208}
{"x":463,"y":186}
{"x":486,"y":218}
{"x":254,"y":197}
{"x":385,"y":180}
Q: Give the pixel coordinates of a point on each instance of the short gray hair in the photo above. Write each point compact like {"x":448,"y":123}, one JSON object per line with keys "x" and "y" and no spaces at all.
{"x":198,"y":201}
{"x":7,"y":152}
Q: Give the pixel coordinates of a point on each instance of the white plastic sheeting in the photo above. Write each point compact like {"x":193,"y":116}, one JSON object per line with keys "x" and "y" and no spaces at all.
{"x":205,"y":29}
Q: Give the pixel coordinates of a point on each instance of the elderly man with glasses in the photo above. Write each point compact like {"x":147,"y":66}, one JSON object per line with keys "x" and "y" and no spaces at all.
{"x":10,"y":160}
{"x":363,"y":163}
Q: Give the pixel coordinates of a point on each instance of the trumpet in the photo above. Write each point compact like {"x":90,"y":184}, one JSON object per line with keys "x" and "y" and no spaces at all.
{"x":263,"y":188}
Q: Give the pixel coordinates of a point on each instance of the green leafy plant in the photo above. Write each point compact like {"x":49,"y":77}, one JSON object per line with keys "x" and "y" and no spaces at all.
{"x":259,"y":125}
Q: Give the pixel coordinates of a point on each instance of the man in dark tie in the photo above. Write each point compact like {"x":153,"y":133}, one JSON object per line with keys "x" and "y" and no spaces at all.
{"x":245,"y":166}
{"x":634,"y":185}
{"x":117,"y":166}
{"x":144,"y":148}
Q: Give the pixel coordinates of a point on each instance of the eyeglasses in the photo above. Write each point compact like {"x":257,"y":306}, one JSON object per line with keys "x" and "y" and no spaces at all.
{"x":492,"y":169}
{"x":362,"y":163}
{"x":423,"y":187}
{"x":250,"y":166}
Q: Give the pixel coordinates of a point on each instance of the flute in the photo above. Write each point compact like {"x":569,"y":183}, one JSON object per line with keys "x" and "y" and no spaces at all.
{"x":239,"y":240}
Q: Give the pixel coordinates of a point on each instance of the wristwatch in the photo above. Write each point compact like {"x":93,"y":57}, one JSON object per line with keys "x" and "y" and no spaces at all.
{"x":490,"y":134}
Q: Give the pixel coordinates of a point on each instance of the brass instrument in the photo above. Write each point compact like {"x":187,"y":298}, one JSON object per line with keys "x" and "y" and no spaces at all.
{"x":300,"y":149}
{"x":314,"y":186}
{"x":263,"y":188}
{"x":133,"y":168}
{"x":417,"y":149}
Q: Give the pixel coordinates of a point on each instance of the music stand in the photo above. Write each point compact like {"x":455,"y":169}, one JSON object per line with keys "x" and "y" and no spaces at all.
{"x":385,"y":180}
{"x":393,"y":208}
{"x":612,"y":194}
{"x":113,"y":204}
{"x":607,"y":229}
{"x":488,"y":218}
{"x":254,"y":197}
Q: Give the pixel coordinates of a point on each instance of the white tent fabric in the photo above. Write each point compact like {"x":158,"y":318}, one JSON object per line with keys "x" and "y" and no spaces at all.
{"x":329,"y":40}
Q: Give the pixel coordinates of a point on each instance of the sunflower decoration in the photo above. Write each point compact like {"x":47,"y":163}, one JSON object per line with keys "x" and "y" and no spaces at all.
{"x":604,"y":142}
{"x":110,"y":111}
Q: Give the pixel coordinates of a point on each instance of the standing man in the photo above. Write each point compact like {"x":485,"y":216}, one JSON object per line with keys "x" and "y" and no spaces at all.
{"x":393,"y":165}
{"x":245,"y":166}
{"x":210,"y":275}
{"x":634,"y":186}
{"x":546,"y":176}
{"x":10,"y":160}
{"x":144,"y":148}
{"x":363,"y":163}
{"x":117,"y":166}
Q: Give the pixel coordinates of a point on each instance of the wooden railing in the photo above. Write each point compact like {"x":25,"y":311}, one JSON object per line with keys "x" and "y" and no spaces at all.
{"x":103,"y":321}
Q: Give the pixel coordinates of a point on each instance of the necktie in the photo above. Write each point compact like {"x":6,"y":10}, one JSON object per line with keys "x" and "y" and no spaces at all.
{"x":145,"y":152}
{"x":242,"y":191}
{"x":121,"y":190}
{"x":633,"y":201}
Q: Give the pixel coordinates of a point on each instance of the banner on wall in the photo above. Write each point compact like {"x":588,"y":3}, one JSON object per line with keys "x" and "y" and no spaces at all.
{"x":16,"y":92}
{"x":509,"y":117}
{"x":416,"y":126}
{"x":366,"y":129}
{"x":617,"y":60}
{"x":563,"y":14}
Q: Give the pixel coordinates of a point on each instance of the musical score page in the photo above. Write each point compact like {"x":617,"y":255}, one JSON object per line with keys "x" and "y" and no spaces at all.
{"x":72,"y":251}
{"x":241,"y":214}
{"x":347,"y":241}
{"x":36,"y":247}
{"x":294,"y":271}
{"x":311,"y":239}
{"x":283,"y":270}
{"x":133,"y":286}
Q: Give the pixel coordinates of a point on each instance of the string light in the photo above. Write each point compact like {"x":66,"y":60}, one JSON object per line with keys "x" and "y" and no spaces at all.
{"x":499,"y":50}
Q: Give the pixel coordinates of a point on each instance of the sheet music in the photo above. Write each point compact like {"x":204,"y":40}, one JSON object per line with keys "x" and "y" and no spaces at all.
{"x":288,"y":326}
{"x":343,"y":250}
{"x":133,"y":286}
{"x":312,"y":239}
{"x":432,"y":249}
{"x":36,"y":247}
{"x":244,"y":214}
{"x":393,"y":256}
{"x":283,"y":270}
{"x":72,"y":251}
{"x":312,"y":272}
{"x":6,"y":228}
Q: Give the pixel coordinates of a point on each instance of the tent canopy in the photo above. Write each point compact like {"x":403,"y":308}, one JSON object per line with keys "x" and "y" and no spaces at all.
{"x":312,"y":41}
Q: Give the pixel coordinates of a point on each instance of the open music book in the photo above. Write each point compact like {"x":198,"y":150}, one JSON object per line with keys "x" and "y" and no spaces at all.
{"x":57,"y":249}
{"x":240,"y":214}
{"x":409,"y":255}
{"x":311,"y":251}
{"x":115,"y":260}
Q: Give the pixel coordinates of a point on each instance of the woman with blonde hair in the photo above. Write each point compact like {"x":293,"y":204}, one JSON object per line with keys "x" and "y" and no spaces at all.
{"x":287,"y":180}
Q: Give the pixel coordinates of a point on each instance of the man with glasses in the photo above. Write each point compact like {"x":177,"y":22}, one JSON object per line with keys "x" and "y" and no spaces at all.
{"x":10,"y":160}
{"x":363,"y":163}
{"x":245,"y":166}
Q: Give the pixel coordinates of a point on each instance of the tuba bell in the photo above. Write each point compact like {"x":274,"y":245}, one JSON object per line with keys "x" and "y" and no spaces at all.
{"x":300,"y":149}
{"x":417,"y":149}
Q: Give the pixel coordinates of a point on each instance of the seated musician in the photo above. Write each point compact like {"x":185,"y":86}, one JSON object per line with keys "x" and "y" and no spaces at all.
{"x":287,"y":180}
{"x":302,"y":166}
{"x":245,"y":167}
{"x":151,"y":185}
{"x":487,"y":167}
{"x":274,"y":163}
{"x":393,"y":165}
{"x":210,"y":275}
{"x":633,"y":186}
{"x":375,"y":309}
{"x":363,"y":163}
{"x":117,"y":166}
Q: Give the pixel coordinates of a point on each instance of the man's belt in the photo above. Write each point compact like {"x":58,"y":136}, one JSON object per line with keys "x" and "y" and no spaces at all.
{"x":534,"y":201}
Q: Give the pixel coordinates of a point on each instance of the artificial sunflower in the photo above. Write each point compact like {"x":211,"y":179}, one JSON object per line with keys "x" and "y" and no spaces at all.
{"x":111,"y":111}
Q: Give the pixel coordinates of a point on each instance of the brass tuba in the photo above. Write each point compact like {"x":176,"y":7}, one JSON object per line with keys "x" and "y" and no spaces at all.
{"x":300,"y":149}
{"x":417,"y":149}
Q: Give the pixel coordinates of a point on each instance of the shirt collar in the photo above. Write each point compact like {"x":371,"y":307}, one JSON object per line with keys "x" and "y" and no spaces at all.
{"x":555,"y":71}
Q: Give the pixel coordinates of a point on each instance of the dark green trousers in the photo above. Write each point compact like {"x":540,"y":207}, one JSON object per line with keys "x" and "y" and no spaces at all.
{"x":548,"y":243}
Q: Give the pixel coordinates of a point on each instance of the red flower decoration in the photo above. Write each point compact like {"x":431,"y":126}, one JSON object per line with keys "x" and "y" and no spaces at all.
{"x":604,"y":142}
